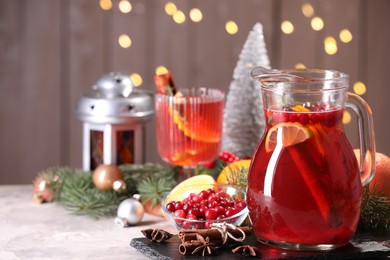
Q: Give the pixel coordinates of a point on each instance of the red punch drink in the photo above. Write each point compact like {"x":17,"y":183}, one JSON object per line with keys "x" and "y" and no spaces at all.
{"x":189,"y":129}
{"x":305,"y":187}
{"x":304,"y":182}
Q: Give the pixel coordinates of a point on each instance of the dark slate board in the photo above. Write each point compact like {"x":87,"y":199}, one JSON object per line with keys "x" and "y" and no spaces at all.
{"x":362,"y":247}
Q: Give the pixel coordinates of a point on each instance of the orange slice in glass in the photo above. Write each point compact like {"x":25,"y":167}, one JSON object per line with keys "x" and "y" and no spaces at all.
{"x":300,"y":108}
{"x":286,"y":134}
{"x":198,"y":130}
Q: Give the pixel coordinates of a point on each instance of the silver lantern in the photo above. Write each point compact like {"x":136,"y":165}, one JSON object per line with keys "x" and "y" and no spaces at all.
{"x":114,"y":114}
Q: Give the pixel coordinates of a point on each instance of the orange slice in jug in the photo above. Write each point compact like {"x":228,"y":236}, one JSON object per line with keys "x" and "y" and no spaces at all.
{"x":286,"y":134}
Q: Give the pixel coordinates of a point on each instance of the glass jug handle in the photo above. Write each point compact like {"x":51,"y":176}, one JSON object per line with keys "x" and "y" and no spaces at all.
{"x":366,"y":136}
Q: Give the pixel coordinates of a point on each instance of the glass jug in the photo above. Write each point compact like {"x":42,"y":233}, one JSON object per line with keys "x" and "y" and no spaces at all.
{"x":304,"y":182}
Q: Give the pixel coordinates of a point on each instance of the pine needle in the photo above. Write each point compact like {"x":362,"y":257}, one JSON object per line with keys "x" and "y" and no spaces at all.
{"x":375,"y":213}
{"x":153,"y":190}
{"x":238,"y":176}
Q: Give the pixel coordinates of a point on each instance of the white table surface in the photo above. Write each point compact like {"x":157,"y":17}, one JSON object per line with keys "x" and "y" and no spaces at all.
{"x":49,"y":231}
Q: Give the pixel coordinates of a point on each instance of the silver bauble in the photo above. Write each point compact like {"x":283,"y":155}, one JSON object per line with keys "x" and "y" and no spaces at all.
{"x":130,"y":212}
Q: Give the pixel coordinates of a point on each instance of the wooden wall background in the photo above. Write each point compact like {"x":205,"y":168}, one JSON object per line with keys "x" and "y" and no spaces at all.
{"x":53,"y":51}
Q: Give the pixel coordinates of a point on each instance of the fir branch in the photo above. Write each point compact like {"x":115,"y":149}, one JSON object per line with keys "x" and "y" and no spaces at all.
{"x":79,"y":195}
{"x":153,"y":190}
{"x":214,"y":171}
{"x":375,"y":213}
{"x":238,"y":176}
{"x":135,"y":173}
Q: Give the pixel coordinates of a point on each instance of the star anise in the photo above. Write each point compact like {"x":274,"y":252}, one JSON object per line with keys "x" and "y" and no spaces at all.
{"x":205,"y":248}
{"x":158,"y":235}
{"x":246,"y":250}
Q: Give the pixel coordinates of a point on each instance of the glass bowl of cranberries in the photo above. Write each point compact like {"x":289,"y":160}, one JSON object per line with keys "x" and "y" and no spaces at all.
{"x":199,"y":206}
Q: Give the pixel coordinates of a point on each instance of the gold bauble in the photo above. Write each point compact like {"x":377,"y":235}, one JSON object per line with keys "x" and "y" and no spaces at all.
{"x":119,"y":186}
{"x":105,"y":175}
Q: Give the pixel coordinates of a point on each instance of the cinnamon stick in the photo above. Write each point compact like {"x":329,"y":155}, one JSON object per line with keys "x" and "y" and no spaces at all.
{"x":164,"y":84}
{"x":186,"y":248}
{"x":158,"y":235}
{"x":321,"y":197}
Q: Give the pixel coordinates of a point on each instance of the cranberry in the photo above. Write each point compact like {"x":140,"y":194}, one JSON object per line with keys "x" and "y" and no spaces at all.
{"x":240,"y":205}
{"x":221,"y":194}
{"x":190,"y":224}
{"x":228,"y":157}
{"x":231,"y":211}
{"x":180,"y":213}
{"x":221,"y":216}
{"x":220,"y":210}
{"x":204,"y":194}
{"x":224,"y":202}
{"x":187,"y":207}
{"x":330,"y":119}
{"x":191,"y":195}
{"x":208,"y":224}
{"x":191,"y":217}
{"x":279,"y":117}
{"x":212,"y":198}
{"x":303,"y":119}
{"x":210,"y":165}
{"x":208,"y":205}
{"x":293,"y":117}
{"x":210,"y":191}
{"x":315,"y":118}
{"x":194,"y":212}
{"x":170,"y":207}
{"x":190,"y":203}
{"x":203,"y":203}
{"x":212,"y":204}
{"x":179,"y":205}
{"x":202,"y":211}
{"x":196,"y":198}
{"x":211,"y":214}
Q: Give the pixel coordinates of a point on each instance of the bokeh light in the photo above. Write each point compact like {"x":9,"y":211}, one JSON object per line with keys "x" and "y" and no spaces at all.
{"x":307,"y":10}
{"x":346,"y":117}
{"x":125,"y":6}
{"x":300,"y":66}
{"x":161,"y":70}
{"x":179,"y":17}
{"x":170,"y":8}
{"x":136,"y":79}
{"x":105,"y":4}
{"x":345,"y":36}
{"x":287,"y":27}
{"x":330,"y":45}
{"x":317,"y":23}
{"x":124,"y":41}
{"x":196,"y":15}
{"x":359,"y":88}
{"x":231,"y":27}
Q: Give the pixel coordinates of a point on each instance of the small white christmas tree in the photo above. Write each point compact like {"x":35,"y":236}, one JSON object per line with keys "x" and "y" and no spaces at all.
{"x":244,"y":123}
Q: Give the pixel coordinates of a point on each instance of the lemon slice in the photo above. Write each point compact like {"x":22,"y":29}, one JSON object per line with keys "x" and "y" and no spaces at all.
{"x":286,"y":134}
{"x":193,"y":184}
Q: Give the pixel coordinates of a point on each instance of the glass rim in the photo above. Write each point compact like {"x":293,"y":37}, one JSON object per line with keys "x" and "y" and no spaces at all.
{"x":186,"y":93}
{"x":306,"y":80}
